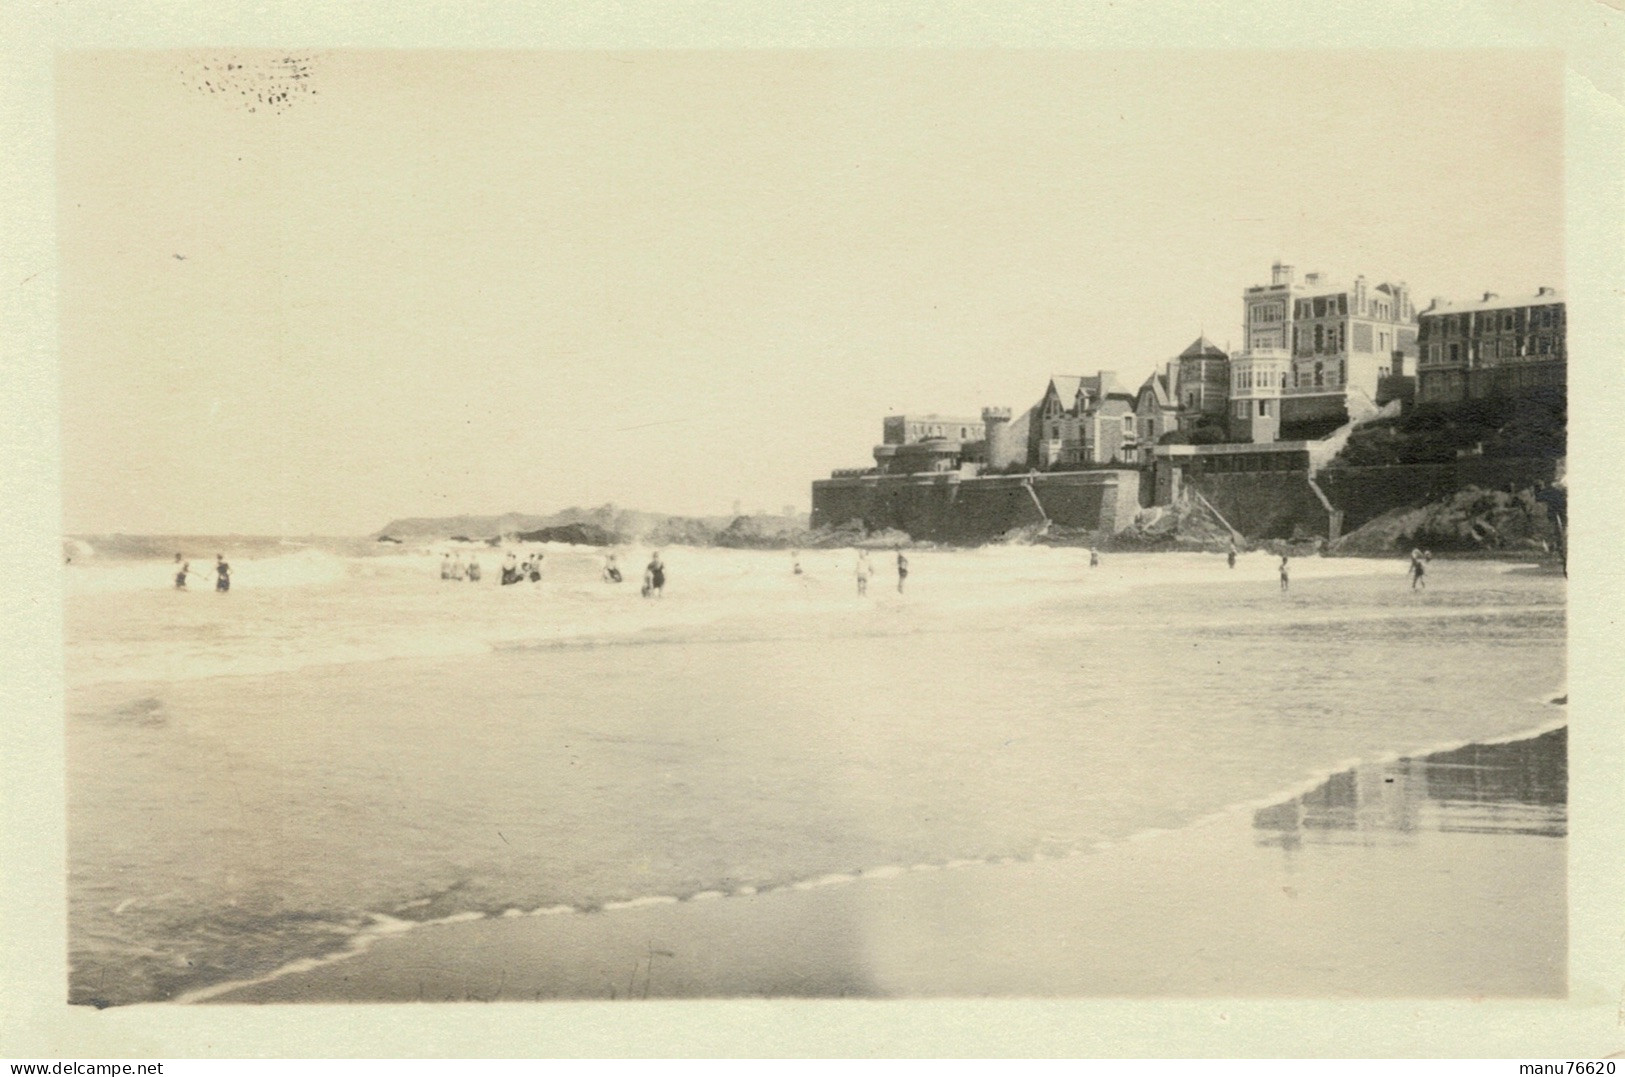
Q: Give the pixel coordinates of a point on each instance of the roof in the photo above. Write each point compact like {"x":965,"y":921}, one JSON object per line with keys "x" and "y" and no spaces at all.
{"x":1497,"y":302}
{"x":1066,"y":387}
{"x":1158,"y":386}
{"x":1203,"y":348}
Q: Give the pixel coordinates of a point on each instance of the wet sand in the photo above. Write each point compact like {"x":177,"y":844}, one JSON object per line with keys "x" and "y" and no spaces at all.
{"x":1441,"y":877}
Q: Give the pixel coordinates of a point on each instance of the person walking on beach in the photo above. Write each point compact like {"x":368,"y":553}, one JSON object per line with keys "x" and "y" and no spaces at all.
{"x":1417,"y":571}
{"x":1231,"y":556}
{"x":1286,"y":580}
{"x":182,"y":568}
{"x":656,"y":576}
{"x":222,"y":574}
{"x":902,"y":570}
{"x":865,"y":570}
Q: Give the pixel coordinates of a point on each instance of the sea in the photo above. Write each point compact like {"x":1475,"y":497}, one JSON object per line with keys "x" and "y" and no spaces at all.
{"x":346,"y":746}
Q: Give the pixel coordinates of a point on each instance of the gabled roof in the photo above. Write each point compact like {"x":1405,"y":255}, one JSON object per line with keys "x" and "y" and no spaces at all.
{"x":1203,"y":348}
{"x":1157,"y":386}
{"x":1066,"y":387}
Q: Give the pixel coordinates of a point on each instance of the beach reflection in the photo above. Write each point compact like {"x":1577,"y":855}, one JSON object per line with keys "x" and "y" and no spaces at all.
{"x":1516,"y":788}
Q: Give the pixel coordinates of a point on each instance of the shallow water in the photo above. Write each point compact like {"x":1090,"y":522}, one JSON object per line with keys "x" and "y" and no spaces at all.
{"x":342,"y":743}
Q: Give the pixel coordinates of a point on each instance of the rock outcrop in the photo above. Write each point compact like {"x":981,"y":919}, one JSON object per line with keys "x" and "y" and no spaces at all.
{"x":1469,"y":520}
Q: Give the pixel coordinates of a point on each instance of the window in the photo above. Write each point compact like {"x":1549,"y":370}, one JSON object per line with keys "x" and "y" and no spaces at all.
{"x":1241,"y":409}
{"x":1320,"y":375}
{"x":1263,"y":408}
{"x":1455,"y":353}
{"x":1128,"y":424}
{"x":1506,"y":320}
{"x":1320,"y":339}
{"x":1342,"y":372}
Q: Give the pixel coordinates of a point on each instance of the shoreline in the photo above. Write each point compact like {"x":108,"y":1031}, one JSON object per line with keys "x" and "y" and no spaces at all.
{"x":1020,"y":916}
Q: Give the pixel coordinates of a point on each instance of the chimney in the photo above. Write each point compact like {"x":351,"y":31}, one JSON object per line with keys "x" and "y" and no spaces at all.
{"x":1489,"y":296}
{"x":1311,"y":279}
{"x":1546,"y":291}
{"x":1399,"y":364}
{"x":1281,"y":274}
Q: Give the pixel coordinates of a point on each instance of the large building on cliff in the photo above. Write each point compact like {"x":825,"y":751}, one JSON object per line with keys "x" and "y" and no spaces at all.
{"x":1493,"y":347}
{"x":1334,"y":344}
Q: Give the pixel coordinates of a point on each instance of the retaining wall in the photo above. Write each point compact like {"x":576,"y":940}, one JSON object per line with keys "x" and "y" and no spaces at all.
{"x":950,"y":508}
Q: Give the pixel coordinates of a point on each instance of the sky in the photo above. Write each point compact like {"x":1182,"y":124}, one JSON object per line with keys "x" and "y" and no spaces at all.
{"x":430,"y":283}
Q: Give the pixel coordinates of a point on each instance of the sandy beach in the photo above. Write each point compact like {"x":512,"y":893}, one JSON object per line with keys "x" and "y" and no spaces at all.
{"x":1337,"y":894}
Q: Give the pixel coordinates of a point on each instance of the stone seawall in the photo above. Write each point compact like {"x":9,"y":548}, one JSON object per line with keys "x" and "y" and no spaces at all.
{"x":1364,"y":493}
{"x":1265,"y":504}
{"x":1275,"y":504}
{"x":952,"y":508}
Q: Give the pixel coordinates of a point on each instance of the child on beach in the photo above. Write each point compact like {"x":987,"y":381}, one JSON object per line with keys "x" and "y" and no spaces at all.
{"x":183,"y":567}
{"x":473,"y":569}
{"x":1231,"y":556}
{"x":1285,"y":580}
{"x":865,"y":570}
{"x":1417,"y":571}
{"x":1094,"y":557}
{"x":655,"y":577}
{"x":612,"y":571}
{"x":902,"y":570}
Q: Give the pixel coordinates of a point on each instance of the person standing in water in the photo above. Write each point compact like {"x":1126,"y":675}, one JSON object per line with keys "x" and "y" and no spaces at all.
{"x":1285,"y":579}
{"x":865,"y":570}
{"x":222,"y":574}
{"x":902,"y":570}
{"x":656,"y":576}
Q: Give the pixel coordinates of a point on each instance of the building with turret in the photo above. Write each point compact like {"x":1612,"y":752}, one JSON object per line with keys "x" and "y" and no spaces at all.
{"x":1202,"y":384}
{"x":1341,"y":342}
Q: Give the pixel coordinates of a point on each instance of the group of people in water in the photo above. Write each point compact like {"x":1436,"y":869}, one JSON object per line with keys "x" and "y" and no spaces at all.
{"x":222,"y":573}
{"x":452,"y":568}
{"x":529,"y":570}
{"x":654,"y":576}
